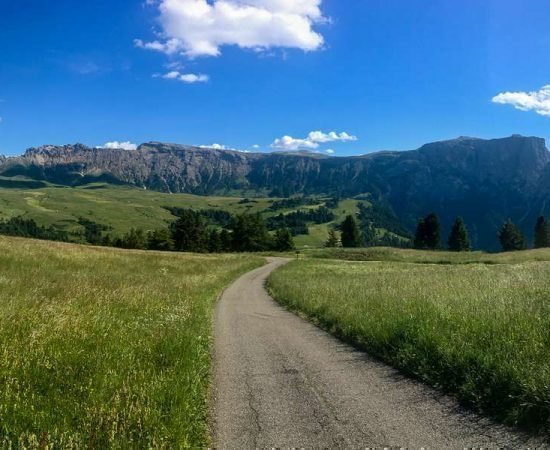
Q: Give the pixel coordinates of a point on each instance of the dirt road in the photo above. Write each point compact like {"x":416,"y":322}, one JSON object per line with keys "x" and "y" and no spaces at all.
{"x":281,"y":382}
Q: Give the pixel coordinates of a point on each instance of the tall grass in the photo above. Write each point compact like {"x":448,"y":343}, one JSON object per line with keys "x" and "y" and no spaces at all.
{"x":102,"y":348}
{"x":479,"y":331}
{"x":426,"y":257}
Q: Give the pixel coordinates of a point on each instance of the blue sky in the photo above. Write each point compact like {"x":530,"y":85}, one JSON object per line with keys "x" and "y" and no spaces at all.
{"x":380,"y":74}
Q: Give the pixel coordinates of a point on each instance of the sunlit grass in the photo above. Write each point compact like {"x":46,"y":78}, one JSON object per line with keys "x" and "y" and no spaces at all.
{"x":103,"y":348}
{"x":480,"y":331}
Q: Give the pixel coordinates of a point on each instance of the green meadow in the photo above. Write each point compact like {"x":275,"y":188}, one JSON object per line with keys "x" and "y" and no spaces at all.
{"x":124,"y":207}
{"x":104,"y":348}
{"x":474,"y":325}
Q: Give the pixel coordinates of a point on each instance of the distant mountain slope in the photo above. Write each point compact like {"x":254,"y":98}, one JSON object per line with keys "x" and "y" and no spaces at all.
{"x":486,"y":181}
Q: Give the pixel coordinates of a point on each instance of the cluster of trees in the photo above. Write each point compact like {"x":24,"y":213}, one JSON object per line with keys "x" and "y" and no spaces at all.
{"x":21,"y":227}
{"x":428,"y":235}
{"x":293,"y":203}
{"x":297,"y":222}
{"x":193,"y":232}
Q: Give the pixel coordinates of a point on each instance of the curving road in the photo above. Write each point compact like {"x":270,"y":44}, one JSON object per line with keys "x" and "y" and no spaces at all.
{"x":279,"y":381}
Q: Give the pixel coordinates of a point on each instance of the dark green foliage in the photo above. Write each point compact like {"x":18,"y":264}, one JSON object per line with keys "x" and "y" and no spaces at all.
{"x":250,"y":233}
{"x":542,"y":233}
{"x":135,"y":239}
{"x":369,"y":234}
{"x":19,"y":226}
{"x":212,"y":216}
{"x":378,"y":216}
{"x":428,"y":233}
{"x":297,"y":221}
{"x":292,"y":203}
{"x":332,"y":240}
{"x":351,"y":236}
{"x":190,"y":232}
{"x":511,"y":238}
{"x":283,"y":240}
{"x":459,"y":240}
{"x":332,"y":203}
{"x":93,"y":231}
{"x":226,"y":242}
{"x":214,"y":242}
{"x":160,"y":239}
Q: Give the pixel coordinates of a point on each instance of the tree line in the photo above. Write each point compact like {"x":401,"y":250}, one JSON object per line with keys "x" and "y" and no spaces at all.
{"x":194,"y":232}
{"x":428,"y":235}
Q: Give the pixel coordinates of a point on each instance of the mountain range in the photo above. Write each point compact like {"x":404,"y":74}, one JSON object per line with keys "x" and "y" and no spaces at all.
{"x":485,"y":181}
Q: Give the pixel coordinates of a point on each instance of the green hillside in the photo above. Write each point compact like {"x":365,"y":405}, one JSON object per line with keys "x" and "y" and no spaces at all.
{"x":124,"y":207}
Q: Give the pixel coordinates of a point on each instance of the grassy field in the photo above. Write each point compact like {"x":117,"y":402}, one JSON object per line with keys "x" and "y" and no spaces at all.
{"x":120,"y":207}
{"x":480,"y":331}
{"x":102,"y":348}
{"x":123,"y":207}
{"x":389,"y":254}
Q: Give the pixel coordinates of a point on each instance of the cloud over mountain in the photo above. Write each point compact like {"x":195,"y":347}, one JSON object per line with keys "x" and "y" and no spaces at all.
{"x":312,"y":141}
{"x":538,"y":101}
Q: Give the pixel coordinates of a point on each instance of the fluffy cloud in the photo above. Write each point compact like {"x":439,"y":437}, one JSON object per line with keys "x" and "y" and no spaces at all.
{"x":188,"y":78}
{"x":120,"y":145}
{"x":216,"y":147}
{"x":330,"y":151}
{"x":200,"y":27}
{"x":538,"y":101}
{"x":312,"y":141}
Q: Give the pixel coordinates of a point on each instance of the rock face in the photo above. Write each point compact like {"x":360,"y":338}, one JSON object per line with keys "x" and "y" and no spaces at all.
{"x":485,"y":181}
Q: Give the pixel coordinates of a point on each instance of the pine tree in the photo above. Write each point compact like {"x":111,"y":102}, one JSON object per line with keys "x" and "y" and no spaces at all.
{"x":332,"y":240}
{"x":134,"y":239}
{"x":511,"y":238}
{"x":189,"y":232}
{"x":542,"y":233}
{"x":283,"y":240}
{"x":428,"y":233}
{"x":459,"y":240}
{"x":214,"y":242}
{"x":160,"y":240}
{"x":351,"y":236}
{"x":250,"y":233}
{"x":225,"y":241}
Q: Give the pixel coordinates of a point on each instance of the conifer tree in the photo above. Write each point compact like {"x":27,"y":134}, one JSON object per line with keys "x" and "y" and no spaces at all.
{"x":160,"y":240}
{"x":225,"y":241}
{"x":351,"y":236}
{"x":189,"y":232}
{"x":332,"y":240}
{"x":214,"y":242}
{"x":459,"y":240}
{"x":283,"y":240}
{"x":250,"y":233}
{"x":511,"y":238}
{"x":428,"y":233}
{"x":542,"y":233}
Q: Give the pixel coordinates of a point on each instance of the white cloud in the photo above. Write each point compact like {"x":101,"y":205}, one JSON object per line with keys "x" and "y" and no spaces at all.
{"x":200,"y":27}
{"x":312,"y":141}
{"x":216,"y":147}
{"x":255,"y":146}
{"x":330,"y":151}
{"x":188,"y":78}
{"x":538,"y":101}
{"x":119,"y":145}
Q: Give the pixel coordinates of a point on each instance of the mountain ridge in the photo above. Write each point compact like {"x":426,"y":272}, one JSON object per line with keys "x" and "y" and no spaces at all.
{"x":486,"y":181}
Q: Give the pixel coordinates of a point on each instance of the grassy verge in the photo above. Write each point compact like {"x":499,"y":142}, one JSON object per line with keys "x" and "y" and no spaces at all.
{"x":426,"y":257}
{"x":479,"y":331}
{"x":102,"y":348}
